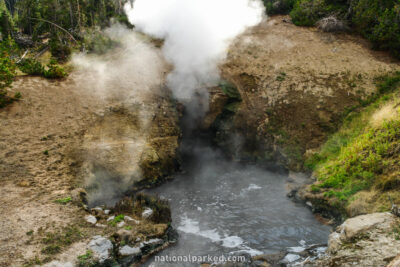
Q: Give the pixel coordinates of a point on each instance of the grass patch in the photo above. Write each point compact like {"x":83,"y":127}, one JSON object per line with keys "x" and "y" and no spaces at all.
{"x":63,"y":201}
{"x":86,"y":260}
{"x":359,"y":155}
{"x":64,"y":237}
{"x":116,"y":220}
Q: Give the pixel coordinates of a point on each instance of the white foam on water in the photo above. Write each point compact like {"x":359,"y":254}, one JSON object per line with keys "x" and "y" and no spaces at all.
{"x":296,"y":249}
{"x":190,"y":226}
{"x":232,"y":241}
{"x":253,"y":187}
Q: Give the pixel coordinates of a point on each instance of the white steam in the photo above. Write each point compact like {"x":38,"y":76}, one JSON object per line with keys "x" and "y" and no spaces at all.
{"x":197,"y":34}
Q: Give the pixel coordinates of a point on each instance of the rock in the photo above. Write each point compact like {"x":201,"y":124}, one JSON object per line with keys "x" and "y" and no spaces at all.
{"x":101,"y":247}
{"x":361,"y":224}
{"x":110,"y":218}
{"x":147,"y":213}
{"x":106,"y":212}
{"x":59,"y":264}
{"x":101,"y":225}
{"x":366,"y":240}
{"x":272,"y":259}
{"x":120,"y":224}
{"x":91,"y":219}
{"x":395,"y":262}
{"x":129,"y":251}
{"x":99,"y":209}
{"x":130,"y":219}
{"x":152,"y":242}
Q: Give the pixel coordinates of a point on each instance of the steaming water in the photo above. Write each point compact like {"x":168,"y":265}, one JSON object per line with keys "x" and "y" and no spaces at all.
{"x":220,"y":207}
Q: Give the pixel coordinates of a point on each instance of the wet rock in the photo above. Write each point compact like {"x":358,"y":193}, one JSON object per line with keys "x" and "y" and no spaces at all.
{"x":101,"y":247}
{"x":154,"y":242}
{"x":129,"y":251}
{"x":272,"y":259}
{"x":91,"y":219}
{"x":146,"y":214}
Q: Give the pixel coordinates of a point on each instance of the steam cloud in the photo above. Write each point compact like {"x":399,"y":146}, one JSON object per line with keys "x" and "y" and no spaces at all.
{"x":197,"y":34}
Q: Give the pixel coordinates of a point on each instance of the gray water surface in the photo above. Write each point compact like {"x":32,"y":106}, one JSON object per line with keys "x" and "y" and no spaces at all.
{"x":221,"y":207}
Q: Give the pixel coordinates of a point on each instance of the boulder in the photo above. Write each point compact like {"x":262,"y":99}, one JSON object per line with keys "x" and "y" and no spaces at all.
{"x":129,"y":251}
{"x":361,"y":224}
{"x":365,"y":240}
{"x":101,"y":247}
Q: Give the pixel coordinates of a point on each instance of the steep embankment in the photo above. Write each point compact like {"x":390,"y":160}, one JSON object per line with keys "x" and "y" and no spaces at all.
{"x":357,"y":168}
{"x":295,"y":85}
{"x":58,"y":137}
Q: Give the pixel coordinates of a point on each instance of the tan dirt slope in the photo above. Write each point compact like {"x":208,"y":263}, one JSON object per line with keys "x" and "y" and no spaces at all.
{"x":295,"y":83}
{"x":48,"y":138}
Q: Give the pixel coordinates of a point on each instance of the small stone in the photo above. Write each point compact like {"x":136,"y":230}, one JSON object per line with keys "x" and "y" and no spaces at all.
{"x":130,"y":219}
{"x":101,"y":247}
{"x":110,"y":218}
{"x":120,"y":224}
{"x":91,"y":219}
{"x":138,"y":239}
{"x":147,"y":213}
{"x":129,"y":251}
{"x":154,"y":242}
{"x":106,"y":212}
{"x":101,"y":225}
{"x":99,"y":209}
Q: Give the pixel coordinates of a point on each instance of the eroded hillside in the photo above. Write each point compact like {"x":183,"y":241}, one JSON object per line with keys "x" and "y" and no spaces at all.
{"x":74,"y":133}
{"x":296,"y":83}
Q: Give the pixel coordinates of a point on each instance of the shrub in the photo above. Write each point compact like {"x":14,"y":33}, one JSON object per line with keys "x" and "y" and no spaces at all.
{"x":59,"y":50}
{"x":7,"y":74}
{"x":31,"y":66}
{"x":98,"y":43}
{"x":278,"y":6}
{"x":307,"y":12}
{"x":331,"y":24}
{"x":54,"y":71}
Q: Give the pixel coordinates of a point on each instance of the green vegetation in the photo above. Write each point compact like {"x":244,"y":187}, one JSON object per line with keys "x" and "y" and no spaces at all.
{"x":54,"y":71}
{"x":64,"y":237}
{"x":31,"y":66}
{"x":7,"y":72}
{"x":361,"y":155}
{"x":278,"y":6}
{"x":63,"y":201}
{"x":86,"y":260}
{"x":117,"y":219}
{"x":281,"y":77}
